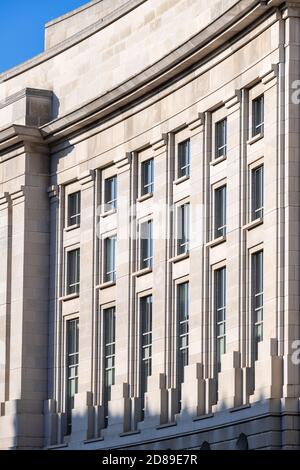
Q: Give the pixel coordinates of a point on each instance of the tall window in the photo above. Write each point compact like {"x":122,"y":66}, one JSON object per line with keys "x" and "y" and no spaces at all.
{"x":146,"y":244}
{"x":110,"y":259}
{"x":147,"y":177}
{"x":73,"y":271}
{"x":74,"y":209}
{"x":146,"y":346}
{"x":220,"y":314}
{"x":221,"y":138}
{"x":110,"y":193}
{"x":109,"y":324}
{"x":258,"y":116}
{"x":72,"y":362}
{"x":220,"y":212}
{"x":183,"y":332}
{"x":258,"y":192}
{"x":184,"y":158}
{"x":183,"y":229}
{"x":257,"y":299}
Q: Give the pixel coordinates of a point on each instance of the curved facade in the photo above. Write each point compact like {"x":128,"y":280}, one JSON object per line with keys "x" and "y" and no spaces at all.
{"x":149,"y":229}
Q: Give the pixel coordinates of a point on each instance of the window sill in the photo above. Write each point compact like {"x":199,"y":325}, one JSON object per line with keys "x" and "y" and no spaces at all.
{"x":72,"y":227}
{"x":253,"y":224}
{"x":199,"y":418}
{"x":142,"y":272}
{"x":181,"y":179}
{"x":178,"y":258}
{"x":216,"y":241}
{"x":239,"y":408}
{"x":105,"y":285}
{"x":255,"y":138}
{"x":218,"y":160}
{"x":96,"y":439}
{"x":129,"y":433}
{"x":67,"y":297}
{"x":167,"y":425}
{"x":57,"y":446}
{"x":108,"y":213}
{"x":144,"y":197}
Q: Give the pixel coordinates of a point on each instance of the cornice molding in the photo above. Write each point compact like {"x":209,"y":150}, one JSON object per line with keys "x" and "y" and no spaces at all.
{"x":17,"y":134}
{"x":225,"y":27}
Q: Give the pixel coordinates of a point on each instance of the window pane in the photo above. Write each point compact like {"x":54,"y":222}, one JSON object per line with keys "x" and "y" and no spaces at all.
{"x":109,"y":321}
{"x":147,"y":185}
{"x":221,"y":138}
{"x":183,"y":229}
{"x":257,"y":299}
{"x":146,"y":244}
{"x":257,"y":192}
{"x":146,"y":346}
{"x":220,"y":212}
{"x":220,"y":314}
{"x":72,"y":367}
{"x":184,"y":159}
{"x":183,"y":329}
{"x":258,"y":116}
{"x":73,"y":271}
{"x":74,"y":209}
{"x":110,"y":259}
{"x":110,"y":193}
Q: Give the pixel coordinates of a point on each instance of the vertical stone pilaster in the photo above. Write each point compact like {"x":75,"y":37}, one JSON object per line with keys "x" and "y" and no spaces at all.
{"x":83,"y":412}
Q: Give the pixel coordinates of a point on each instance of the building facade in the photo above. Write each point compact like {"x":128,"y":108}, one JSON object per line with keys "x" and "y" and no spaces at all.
{"x":149,"y":229}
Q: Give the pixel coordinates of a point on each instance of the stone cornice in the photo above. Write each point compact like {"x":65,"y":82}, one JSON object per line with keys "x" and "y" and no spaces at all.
{"x":225,"y":27}
{"x":16,"y":134}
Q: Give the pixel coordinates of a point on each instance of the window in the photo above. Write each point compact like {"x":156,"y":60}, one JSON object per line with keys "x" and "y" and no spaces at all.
{"x":110,"y":193}
{"x":257,"y":192}
{"x":74,"y":209}
{"x":257,"y":299}
{"x":220,"y":313}
{"x":220,"y":212}
{"x":110,"y":259}
{"x":146,"y":244}
{"x":183,"y":331}
{"x":258,"y":116}
{"x":184,"y":158}
{"x":72,"y":363}
{"x":147,"y":177}
{"x":109,"y":325}
{"x":221,"y":138}
{"x":183,"y":229}
{"x":73,"y":271}
{"x":146,"y":345}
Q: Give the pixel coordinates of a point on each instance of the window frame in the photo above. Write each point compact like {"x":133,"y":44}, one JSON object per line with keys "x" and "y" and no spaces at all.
{"x":68,"y":252}
{"x":253,"y":209}
{"x":147,"y":262}
{"x":69,"y":399}
{"x":106,"y":274}
{"x":254,"y":296}
{"x":143,"y":164}
{"x":183,"y":224}
{"x":258,"y":127}
{"x":143,"y":384}
{"x":217,"y":308}
{"x":219,"y":231}
{"x":77,"y":214}
{"x":183,"y":170}
{"x":221,"y":150}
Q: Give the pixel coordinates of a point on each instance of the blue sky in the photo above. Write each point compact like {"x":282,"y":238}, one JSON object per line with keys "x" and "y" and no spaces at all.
{"x":22,"y":27}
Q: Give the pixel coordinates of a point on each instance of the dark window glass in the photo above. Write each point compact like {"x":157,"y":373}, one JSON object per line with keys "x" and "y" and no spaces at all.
{"x":184,"y":159}
{"x":146,"y":345}
{"x":73,"y":271}
{"x":72,"y":367}
{"x":258,"y":116}
{"x":147,"y":185}
{"x":220,"y":212}
{"x":110,"y":189}
{"x":74,"y":209}
{"x":221,"y":138}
